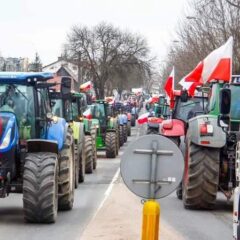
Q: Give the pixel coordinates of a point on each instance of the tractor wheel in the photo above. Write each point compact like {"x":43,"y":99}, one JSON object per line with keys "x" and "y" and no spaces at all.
{"x":179,"y":191}
{"x":125,"y":132}
{"x":77,"y":163}
{"x":89,"y":154}
{"x":117,"y":141}
{"x":40,"y":187}
{"x":93,"y":134}
{"x":133,"y":121}
{"x":110,"y":142}
{"x":200,"y":183}
{"x":82,"y":164}
{"x":121,"y":136}
{"x":129,"y":128}
{"x":176,"y":140}
{"x":152,"y":130}
{"x":66,"y":175}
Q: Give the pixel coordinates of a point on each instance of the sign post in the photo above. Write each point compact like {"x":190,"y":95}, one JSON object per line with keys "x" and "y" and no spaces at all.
{"x":152,"y":168}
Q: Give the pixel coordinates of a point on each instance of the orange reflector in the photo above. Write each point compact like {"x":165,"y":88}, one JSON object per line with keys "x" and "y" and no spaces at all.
{"x":205,"y":142}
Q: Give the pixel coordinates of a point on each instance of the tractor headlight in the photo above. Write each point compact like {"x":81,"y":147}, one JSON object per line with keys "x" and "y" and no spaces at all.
{"x":6,"y":140}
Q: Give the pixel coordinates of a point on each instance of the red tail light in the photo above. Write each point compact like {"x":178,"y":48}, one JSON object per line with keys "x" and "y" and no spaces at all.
{"x":206,"y":129}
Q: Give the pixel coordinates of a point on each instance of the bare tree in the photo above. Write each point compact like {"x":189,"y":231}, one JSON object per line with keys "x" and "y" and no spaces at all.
{"x":213,"y":23}
{"x":109,"y":55}
{"x":234,"y":3}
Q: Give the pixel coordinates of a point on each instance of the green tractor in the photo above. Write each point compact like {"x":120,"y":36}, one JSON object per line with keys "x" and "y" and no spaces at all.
{"x":70,"y":106}
{"x":107,"y":127}
{"x":210,"y":148}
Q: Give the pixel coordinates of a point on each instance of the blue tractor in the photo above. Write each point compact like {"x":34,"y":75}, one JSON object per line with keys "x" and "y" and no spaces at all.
{"x":36,"y":148}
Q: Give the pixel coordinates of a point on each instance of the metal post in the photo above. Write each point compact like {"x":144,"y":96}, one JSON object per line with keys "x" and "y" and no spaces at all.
{"x":153,"y":168}
{"x":150,"y":223}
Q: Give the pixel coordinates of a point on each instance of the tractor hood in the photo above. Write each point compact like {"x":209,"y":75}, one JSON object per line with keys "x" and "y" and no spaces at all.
{"x":8,"y":131}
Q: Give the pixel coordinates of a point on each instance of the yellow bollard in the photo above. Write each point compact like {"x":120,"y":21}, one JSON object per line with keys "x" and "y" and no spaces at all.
{"x":150,"y":224}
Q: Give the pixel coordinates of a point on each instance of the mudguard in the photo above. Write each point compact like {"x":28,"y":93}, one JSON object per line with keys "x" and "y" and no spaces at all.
{"x":112,"y":124}
{"x":78,"y":132}
{"x":172,"y":128}
{"x":155,"y":120}
{"x":8,"y":126}
{"x":57,"y":131}
{"x":217,"y":140}
{"x":87,"y":124}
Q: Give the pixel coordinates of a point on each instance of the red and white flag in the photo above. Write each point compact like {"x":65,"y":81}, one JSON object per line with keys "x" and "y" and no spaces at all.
{"x":86,"y":86}
{"x":143,"y":118}
{"x":87,"y":114}
{"x":189,"y":86}
{"x":216,"y":66}
{"x":169,"y":85}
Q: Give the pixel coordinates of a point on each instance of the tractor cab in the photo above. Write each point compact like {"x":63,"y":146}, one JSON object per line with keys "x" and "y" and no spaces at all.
{"x":187,"y":107}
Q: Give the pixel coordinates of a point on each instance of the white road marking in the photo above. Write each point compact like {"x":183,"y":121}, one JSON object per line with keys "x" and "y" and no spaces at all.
{"x":107,"y":192}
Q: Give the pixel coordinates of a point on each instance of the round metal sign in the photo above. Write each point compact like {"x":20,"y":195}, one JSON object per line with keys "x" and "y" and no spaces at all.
{"x":152,"y":166}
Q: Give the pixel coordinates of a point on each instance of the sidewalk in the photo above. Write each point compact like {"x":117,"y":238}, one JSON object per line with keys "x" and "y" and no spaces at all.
{"x":120,"y":218}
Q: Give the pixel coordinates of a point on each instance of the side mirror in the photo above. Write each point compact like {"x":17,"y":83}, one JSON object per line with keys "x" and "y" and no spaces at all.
{"x":184,"y":96}
{"x":223,"y":121}
{"x":66,"y":85}
{"x":225,"y":101}
{"x":147,"y":107}
{"x":158,"y":110}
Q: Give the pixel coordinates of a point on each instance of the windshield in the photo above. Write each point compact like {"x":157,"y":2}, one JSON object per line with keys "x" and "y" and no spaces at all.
{"x":75,"y":110}
{"x":100,"y":111}
{"x":235,"y":106}
{"x":189,"y":109}
{"x":57,"y":107}
{"x":19,"y":100}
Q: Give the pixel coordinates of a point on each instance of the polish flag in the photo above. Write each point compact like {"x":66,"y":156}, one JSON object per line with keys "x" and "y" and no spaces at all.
{"x":143,"y":118}
{"x":216,"y":66}
{"x":189,"y":86}
{"x":169,"y":85}
{"x":86,"y":86}
{"x":153,"y":99}
{"x":87,"y":114}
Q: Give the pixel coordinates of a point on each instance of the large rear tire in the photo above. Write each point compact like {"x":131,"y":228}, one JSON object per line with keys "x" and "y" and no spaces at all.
{"x":94,"y":134}
{"x":179,"y":191}
{"x":77,"y":163}
{"x":110,"y":142}
{"x":129,"y":128}
{"x":133,"y":121}
{"x":82,"y":164}
{"x":66,"y":184}
{"x":121,"y":136}
{"x":152,"y":130}
{"x":201,"y":176}
{"x":125,"y":132}
{"x":40,"y":187}
{"x":176,"y":140}
{"x":89,"y":154}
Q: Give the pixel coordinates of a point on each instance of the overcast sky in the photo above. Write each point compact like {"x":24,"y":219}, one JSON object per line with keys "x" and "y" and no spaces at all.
{"x":27,"y":26}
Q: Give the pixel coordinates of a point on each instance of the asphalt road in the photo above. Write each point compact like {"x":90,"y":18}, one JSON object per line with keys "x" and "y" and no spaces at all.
{"x":186,"y":224}
{"x":70,"y":224}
